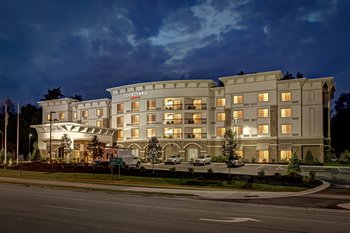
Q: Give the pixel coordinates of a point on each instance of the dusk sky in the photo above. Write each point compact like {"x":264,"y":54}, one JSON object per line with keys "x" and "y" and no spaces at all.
{"x":87,"y":46}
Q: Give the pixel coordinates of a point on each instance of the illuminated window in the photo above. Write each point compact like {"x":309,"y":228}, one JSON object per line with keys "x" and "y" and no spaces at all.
{"x":197,"y":132}
{"x":220,"y":132}
{"x":263,"y":129}
{"x":135,"y":106}
{"x":263,"y":156}
{"x":120,"y":121}
{"x":135,"y":119}
{"x":99,"y":123}
{"x":220,"y":102}
{"x":61,"y":115}
{"x":238,"y":130}
{"x":120,"y":134}
{"x":120,"y":108}
{"x":151,"y":119}
{"x":263,"y":97}
{"x":172,"y":104}
{"x":85,"y":114}
{"x":220,"y":116}
{"x":48,"y":117}
{"x":286,"y":155}
{"x":286,"y":129}
{"x":197,"y":104}
{"x":151,"y":132}
{"x":151,"y":105}
{"x":177,"y":104}
{"x":197,"y":118}
{"x":286,"y":112}
{"x":238,"y":99}
{"x":286,"y":96}
{"x":173,"y":133}
{"x":99,"y":112}
{"x":135,"y":133}
{"x":238,"y":114}
{"x":263,"y":112}
{"x":75,"y":116}
{"x":239,"y":153}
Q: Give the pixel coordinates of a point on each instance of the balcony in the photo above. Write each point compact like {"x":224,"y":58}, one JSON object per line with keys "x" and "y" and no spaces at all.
{"x":151,"y":122}
{"x":196,"y":121}
{"x":173,"y":136}
{"x":120,"y":124}
{"x":173,"y":107}
{"x":195,"y":135}
{"x":173,"y":121}
{"x":196,"y":106}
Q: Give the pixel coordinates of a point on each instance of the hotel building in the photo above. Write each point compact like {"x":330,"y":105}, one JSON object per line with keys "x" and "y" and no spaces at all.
{"x":273,"y":118}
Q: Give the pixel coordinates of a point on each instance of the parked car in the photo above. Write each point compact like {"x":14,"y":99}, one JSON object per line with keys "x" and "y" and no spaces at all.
{"x":174,"y":159}
{"x":129,"y":160}
{"x":236,"y":162}
{"x":202,"y":160}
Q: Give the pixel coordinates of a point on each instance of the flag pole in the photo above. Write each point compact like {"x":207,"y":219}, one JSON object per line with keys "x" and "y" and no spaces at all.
{"x":17,"y":132}
{"x":6,"y":121}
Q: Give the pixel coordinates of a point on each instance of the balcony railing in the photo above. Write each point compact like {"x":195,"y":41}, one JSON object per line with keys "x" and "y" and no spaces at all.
{"x":151,"y":122}
{"x":196,"y":121}
{"x":196,"y":106}
{"x":120,"y":124}
{"x":195,"y":135}
{"x":173,"y":107}
{"x":173,"y":136}
{"x":173,"y":121}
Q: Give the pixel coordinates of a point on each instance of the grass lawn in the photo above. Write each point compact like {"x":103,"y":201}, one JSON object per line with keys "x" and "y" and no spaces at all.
{"x":145,"y":181}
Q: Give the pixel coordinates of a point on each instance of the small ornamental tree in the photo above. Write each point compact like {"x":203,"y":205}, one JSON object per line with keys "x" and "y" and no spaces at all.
{"x":293,"y":166}
{"x":154,"y":150}
{"x":66,"y":145}
{"x":229,"y":148}
{"x":36,"y":153}
{"x":309,"y":159}
{"x":95,"y":147}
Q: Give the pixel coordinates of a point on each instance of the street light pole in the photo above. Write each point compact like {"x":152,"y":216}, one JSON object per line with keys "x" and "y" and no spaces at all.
{"x":29,"y":137}
{"x":2,"y":140}
{"x":50,"y":120}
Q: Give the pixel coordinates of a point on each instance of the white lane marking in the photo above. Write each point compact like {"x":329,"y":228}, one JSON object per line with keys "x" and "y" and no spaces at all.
{"x":259,"y":167}
{"x":64,"y":208}
{"x":230,"y":220}
{"x":339,"y":170}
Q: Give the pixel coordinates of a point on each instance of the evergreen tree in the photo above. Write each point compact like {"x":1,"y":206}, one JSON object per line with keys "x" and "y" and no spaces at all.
{"x":36,"y":156}
{"x":229,"y":146}
{"x":54,"y":93}
{"x":293,"y":166}
{"x":95,"y":147}
{"x":66,"y":144}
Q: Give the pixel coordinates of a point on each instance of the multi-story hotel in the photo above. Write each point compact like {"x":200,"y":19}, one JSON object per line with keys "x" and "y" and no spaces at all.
{"x":272,"y":118}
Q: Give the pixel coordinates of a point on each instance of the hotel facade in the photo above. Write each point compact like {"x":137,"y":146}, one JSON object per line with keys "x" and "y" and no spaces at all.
{"x":272,"y":118}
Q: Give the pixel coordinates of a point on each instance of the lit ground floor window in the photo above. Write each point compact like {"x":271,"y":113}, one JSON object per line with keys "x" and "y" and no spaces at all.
{"x":286,"y":155}
{"x":263,"y":156}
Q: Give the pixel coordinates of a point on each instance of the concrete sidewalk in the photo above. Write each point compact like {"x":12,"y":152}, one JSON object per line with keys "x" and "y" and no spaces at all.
{"x":199,"y":192}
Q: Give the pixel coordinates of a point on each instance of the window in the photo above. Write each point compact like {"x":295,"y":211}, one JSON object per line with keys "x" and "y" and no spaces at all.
{"x":220,"y":116}
{"x":238,"y":99}
{"x":220,"y":132}
{"x":135,"y":106}
{"x":286,"y":96}
{"x":151,"y":132}
{"x":286,"y":155}
{"x":151,"y":105}
{"x":172,"y":133}
{"x":263,"y":97}
{"x":178,"y":104}
{"x":263,"y":112}
{"x":238,"y":130}
{"x":197,"y":132}
{"x":239,"y":153}
{"x":197,"y":118}
{"x":99,"y":112}
{"x":85,"y":114}
{"x":135,"y":133}
{"x":263,"y":129}
{"x":61,"y":115}
{"x":135,"y":119}
{"x":238,"y":114}
{"x":286,"y":129}
{"x":120,"y":134}
{"x":286,"y":112}
{"x":99,"y":123}
{"x":120,"y":121}
{"x":263,"y":156}
{"x":120,"y":108}
{"x":197,"y":104}
{"x":151,"y":119}
{"x":220,"y":102}
{"x":75,"y":116}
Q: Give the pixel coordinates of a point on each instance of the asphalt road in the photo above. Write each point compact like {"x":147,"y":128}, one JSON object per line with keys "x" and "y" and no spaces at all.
{"x":35,"y":209}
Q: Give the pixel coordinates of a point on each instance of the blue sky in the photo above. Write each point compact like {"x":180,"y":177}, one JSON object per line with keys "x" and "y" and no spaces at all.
{"x":87,"y":46}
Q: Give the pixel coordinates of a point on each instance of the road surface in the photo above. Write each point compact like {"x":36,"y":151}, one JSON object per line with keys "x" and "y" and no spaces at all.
{"x":34,"y":209}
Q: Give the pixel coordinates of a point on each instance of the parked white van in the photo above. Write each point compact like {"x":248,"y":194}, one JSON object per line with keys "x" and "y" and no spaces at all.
{"x":129,"y":160}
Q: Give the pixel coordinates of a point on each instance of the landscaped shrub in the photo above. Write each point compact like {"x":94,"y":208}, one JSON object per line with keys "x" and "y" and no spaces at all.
{"x":172,"y":170}
{"x":210,"y":171}
{"x":191,"y":170}
{"x":309,"y":159}
{"x":218,"y":159}
{"x":293,"y":166}
{"x":306,"y":180}
{"x":261,"y":173}
{"x":312,"y":175}
{"x":277,"y":176}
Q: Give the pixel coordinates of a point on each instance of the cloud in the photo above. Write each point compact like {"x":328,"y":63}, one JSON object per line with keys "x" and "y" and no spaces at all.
{"x":197,"y":27}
